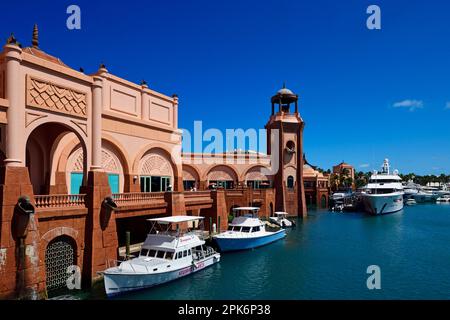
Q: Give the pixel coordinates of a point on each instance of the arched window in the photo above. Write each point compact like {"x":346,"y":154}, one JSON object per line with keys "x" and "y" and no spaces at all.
{"x":290,"y":182}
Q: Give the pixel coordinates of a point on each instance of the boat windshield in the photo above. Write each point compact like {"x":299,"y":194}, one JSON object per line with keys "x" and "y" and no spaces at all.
{"x":251,"y":212}
{"x":194,"y":225}
{"x":381,"y":181}
{"x":152,"y":253}
{"x":381,"y":191}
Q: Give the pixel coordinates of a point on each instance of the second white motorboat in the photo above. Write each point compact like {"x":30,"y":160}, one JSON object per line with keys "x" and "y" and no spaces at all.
{"x":281,"y":219}
{"x":247,"y":231}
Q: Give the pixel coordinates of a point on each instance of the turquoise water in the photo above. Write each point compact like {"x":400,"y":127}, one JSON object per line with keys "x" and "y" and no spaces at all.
{"x":326,"y":257}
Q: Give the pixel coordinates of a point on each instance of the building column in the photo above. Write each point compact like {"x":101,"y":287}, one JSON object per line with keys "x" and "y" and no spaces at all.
{"x":97,"y":106}
{"x":16,"y":112}
{"x":144,"y":102}
{"x":175,"y":111}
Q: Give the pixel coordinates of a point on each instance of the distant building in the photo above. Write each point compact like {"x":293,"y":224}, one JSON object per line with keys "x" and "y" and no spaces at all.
{"x":346,"y":170}
{"x":317,"y":186}
{"x":343,"y":167}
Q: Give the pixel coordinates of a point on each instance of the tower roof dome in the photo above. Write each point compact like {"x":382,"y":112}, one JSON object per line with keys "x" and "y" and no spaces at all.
{"x":284,"y":96}
{"x":284,"y":90}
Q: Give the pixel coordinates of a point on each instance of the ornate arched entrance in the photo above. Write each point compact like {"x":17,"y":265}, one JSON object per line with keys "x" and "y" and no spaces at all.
{"x":40,"y":147}
{"x":156,"y":171}
{"x":59,"y":256}
{"x":222,"y":176}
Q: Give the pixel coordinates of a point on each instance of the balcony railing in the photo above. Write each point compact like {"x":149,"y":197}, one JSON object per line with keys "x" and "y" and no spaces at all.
{"x":60,"y":200}
{"x":137,"y":197}
{"x":197,"y":194}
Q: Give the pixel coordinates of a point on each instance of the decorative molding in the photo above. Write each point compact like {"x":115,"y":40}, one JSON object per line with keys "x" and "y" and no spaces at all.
{"x":50,"y":96}
{"x":189,"y":174}
{"x":77,"y":165}
{"x":256,"y":174}
{"x":81,"y":125}
{"x":155,"y":165}
{"x":31,"y":117}
{"x":110,"y":162}
{"x":222,"y":173}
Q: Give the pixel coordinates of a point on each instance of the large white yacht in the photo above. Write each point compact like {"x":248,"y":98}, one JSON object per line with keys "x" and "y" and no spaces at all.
{"x":173,"y":249}
{"x":384,"y":192}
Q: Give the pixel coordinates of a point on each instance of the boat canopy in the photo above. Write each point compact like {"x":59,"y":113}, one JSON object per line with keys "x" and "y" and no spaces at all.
{"x":281,"y":213}
{"x":245,"y":208}
{"x":175,"y":219}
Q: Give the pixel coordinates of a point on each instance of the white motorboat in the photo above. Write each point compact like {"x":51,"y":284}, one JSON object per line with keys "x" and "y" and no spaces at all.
{"x":425,"y":196}
{"x":247,"y":231}
{"x":172,"y":250}
{"x":444,"y":198}
{"x":384,"y":192}
{"x":410,"y":202}
{"x":280,"y":219}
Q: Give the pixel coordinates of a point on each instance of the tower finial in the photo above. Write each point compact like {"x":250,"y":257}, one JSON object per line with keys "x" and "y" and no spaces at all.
{"x":11,"y":39}
{"x":35,"y":40}
{"x":284,"y":84}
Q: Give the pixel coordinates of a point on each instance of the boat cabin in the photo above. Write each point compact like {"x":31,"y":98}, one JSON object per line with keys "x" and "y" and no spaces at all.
{"x":174,"y":238}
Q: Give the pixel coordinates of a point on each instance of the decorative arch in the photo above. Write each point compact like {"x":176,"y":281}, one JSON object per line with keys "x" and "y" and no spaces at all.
{"x":222,"y":172}
{"x":42,"y":142}
{"x":255,"y":173}
{"x":190,"y":173}
{"x":72,"y":126}
{"x":155,"y":163}
{"x":111,"y":163}
{"x":59,"y":231}
{"x":62,"y":231}
{"x":162,"y":150}
{"x":119,"y":150}
{"x":290,"y":171}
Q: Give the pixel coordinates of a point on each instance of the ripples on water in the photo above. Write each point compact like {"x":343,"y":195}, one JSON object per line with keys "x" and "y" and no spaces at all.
{"x":326,"y":257}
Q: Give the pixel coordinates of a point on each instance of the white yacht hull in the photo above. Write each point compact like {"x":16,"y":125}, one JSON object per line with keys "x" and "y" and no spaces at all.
{"x":377,"y":204}
{"x":117,"y":282}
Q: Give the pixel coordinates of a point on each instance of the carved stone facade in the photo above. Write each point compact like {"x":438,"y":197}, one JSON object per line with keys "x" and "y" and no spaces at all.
{"x":223,"y":173}
{"x":46,"y":95}
{"x":154,"y":164}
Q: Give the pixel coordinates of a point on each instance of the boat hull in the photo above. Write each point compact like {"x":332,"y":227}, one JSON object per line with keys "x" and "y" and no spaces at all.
{"x":235,"y":244}
{"x":377,"y":204}
{"x":423,"y":197}
{"x":118,"y":283}
{"x":284,"y":223}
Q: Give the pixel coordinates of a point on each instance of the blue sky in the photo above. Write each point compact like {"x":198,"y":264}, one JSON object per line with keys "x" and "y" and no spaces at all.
{"x":226,"y":58}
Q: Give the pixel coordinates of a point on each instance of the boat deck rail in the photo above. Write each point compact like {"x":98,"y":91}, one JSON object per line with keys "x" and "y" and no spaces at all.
{"x":201,"y":254}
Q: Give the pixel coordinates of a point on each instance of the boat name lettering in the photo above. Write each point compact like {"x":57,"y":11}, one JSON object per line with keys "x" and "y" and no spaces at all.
{"x":184,"y":271}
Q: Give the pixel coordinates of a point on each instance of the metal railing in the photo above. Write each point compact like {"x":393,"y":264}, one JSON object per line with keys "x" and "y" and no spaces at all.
{"x":60,"y":200}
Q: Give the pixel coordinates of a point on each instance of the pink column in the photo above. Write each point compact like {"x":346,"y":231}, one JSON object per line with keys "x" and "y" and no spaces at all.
{"x":175,"y":111}
{"x":97,"y":90}
{"x":15,"y":113}
{"x":144,"y":102}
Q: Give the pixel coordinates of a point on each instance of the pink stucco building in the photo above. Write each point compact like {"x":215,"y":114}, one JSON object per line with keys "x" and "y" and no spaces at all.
{"x":69,"y":140}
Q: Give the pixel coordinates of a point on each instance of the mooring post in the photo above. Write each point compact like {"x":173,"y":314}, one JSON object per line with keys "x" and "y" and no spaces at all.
{"x":218,"y":224}
{"x":210,"y":225}
{"x":127,"y":244}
